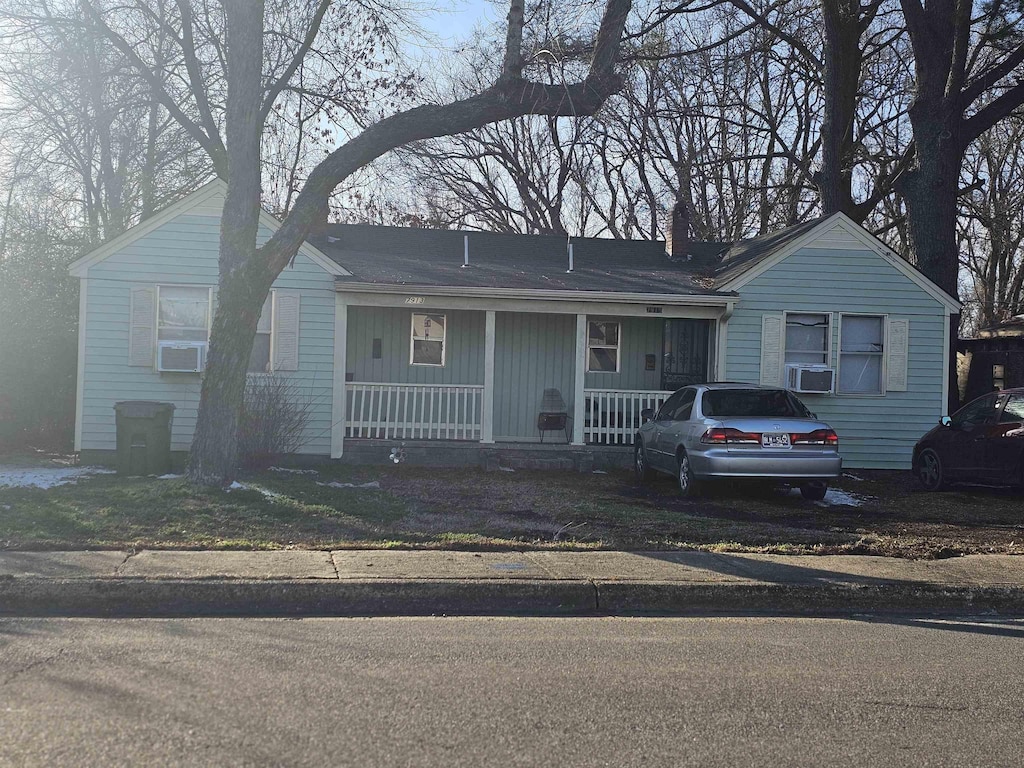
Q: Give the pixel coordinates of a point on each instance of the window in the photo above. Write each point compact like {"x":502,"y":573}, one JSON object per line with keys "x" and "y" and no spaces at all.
{"x":751,"y":403}
{"x":184,"y":314}
{"x":1013,"y":412}
{"x":259,"y":360}
{"x":677,"y":403}
{"x":860,"y":354}
{"x":603,"y":346}
{"x":428,"y":333}
{"x":981,"y":411}
{"x":998,"y":376}
{"x":807,"y":338}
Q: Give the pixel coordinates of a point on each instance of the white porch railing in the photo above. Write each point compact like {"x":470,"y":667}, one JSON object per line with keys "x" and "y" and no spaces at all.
{"x":414,"y":411}
{"x":612,"y":416}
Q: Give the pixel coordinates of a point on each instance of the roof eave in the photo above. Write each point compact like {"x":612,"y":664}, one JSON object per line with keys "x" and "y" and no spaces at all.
{"x":677,"y":299}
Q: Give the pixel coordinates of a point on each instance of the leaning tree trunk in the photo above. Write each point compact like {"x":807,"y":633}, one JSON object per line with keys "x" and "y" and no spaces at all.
{"x":244,"y":279}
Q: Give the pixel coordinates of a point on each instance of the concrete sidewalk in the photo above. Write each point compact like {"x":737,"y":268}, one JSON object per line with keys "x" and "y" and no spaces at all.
{"x":389,"y":582}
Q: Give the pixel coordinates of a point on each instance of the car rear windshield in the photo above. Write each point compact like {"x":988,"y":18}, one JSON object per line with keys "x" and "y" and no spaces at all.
{"x":769,"y":403}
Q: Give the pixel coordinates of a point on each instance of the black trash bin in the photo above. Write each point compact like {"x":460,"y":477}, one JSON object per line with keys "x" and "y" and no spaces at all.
{"x":143,"y":437}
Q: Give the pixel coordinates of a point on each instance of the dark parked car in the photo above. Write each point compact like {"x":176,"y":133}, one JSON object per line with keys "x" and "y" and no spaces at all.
{"x":983,"y":442}
{"x":737,"y":431}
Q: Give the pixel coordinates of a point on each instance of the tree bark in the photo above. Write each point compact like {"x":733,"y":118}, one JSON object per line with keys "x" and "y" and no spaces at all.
{"x":244,"y":281}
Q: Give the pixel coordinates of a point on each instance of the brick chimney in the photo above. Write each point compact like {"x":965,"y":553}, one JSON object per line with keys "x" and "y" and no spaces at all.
{"x":677,"y":240}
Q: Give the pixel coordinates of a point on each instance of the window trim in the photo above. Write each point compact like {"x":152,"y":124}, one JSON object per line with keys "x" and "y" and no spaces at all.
{"x":617,"y":347}
{"x":209,"y":309}
{"x":828,"y":336}
{"x":272,"y":296}
{"x":413,"y":340}
{"x":884,"y":355}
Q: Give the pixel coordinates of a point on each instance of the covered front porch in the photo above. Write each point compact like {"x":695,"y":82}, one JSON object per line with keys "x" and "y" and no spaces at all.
{"x":430,"y":366}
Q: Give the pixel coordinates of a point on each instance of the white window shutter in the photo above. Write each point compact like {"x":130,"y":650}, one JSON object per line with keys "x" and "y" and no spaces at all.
{"x":897,"y":350}
{"x":142,"y":326}
{"x":286,"y":331}
{"x":772,"y":329}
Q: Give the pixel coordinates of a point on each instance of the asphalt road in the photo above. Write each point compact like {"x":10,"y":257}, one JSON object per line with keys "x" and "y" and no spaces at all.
{"x":510,"y":692}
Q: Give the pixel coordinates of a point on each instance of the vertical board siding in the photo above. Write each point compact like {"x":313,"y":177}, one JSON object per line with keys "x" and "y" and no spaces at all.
{"x":533,"y":352}
{"x":874,"y":432}
{"x":184,"y":252}
{"x":640,"y":336}
{"x":464,"y":347}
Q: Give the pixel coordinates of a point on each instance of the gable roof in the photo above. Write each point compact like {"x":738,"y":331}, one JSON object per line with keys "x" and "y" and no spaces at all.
{"x":748,"y":259}
{"x":430,"y":257}
{"x":744,"y":255}
{"x":205,"y":196}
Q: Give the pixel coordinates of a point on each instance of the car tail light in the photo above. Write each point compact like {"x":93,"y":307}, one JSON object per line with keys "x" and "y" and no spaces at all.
{"x":817,"y":437}
{"x":725,"y":435}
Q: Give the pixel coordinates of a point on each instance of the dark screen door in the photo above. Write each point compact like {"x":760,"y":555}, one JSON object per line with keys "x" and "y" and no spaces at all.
{"x":685,"y":353}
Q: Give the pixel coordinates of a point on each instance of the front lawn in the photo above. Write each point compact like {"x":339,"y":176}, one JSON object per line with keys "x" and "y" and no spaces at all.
{"x":471,"y":509}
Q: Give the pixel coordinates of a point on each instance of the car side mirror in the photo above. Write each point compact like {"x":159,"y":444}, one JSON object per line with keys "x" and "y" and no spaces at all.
{"x":946,"y":421}
{"x":647,"y":414}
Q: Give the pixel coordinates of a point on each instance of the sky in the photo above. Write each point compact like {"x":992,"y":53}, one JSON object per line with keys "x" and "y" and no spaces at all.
{"x":457,"y":18}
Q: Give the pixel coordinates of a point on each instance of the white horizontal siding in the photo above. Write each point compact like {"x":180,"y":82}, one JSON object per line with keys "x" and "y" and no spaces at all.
{"x":874,"y":432}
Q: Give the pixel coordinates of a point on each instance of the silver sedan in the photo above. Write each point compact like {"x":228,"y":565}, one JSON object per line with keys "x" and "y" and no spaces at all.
{"x":737,"y":430}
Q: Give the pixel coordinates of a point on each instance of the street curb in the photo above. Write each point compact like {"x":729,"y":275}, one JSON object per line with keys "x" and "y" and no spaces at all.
{"x":827,"y":599}
{"x":175,"y":598}
{"x":295,"y":597}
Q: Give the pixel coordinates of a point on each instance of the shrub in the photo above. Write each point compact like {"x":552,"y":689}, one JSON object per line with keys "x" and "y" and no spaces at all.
{"x":273,"y":420}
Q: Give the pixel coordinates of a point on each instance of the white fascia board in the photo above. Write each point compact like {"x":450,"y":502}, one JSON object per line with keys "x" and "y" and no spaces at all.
{"x":870,"y":242}
{"x":668,"y":299}
{"x":201,"y":195}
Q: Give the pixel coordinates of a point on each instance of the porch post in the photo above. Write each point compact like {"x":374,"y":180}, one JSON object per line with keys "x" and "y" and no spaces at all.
{"x":578,"y":398}
{"x":339,"y":402}
{"x":487,"y":415}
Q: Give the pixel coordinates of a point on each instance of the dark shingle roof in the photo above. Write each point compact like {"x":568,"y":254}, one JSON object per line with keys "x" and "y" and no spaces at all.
{"x":745,"y":254}
{"x":430,"y":257}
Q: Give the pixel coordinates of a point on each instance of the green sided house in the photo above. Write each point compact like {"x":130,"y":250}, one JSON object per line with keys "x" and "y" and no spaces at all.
{"x":453,"y":347}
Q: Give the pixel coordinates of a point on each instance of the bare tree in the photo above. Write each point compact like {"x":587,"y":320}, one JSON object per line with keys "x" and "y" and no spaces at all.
{"x":231,"y":77}
{"x":991,"y":231}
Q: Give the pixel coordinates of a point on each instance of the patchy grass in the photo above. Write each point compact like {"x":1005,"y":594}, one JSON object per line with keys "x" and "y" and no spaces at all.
{"x":418,"y":507}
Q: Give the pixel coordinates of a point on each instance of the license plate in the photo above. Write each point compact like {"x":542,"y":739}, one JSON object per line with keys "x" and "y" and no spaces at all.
{"x":775,"y":440}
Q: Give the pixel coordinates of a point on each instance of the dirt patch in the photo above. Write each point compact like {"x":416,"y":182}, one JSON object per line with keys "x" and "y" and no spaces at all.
{"x":879,"y":513}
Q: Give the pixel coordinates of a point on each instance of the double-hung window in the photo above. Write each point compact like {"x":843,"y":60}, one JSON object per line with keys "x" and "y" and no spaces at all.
{"x":428,"y":339}
{"x":807,"y":338}
{"x":861,"y":350}
{"x":259,"y":360}
{"x":603,"y":338}
{"x":183,"y":314}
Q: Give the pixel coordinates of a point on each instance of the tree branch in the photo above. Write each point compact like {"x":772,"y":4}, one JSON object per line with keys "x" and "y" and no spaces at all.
{"x":275,"y":88}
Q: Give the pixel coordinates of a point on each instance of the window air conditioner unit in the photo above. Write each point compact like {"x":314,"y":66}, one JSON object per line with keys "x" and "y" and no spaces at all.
{"x":810,"y":378}
{"x":181,"y":356}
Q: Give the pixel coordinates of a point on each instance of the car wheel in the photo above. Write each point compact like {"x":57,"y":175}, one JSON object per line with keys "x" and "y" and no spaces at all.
{"x":640,"y":466}
{"x":928,"y":470}
{"x":814,"y":491}
{"x":688,"y":485}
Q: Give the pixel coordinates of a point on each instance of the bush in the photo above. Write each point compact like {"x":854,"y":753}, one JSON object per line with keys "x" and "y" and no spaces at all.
{"x":273,"y":420}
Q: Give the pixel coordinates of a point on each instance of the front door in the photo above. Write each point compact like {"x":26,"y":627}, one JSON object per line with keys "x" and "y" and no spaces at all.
{"x":685,"y":358}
